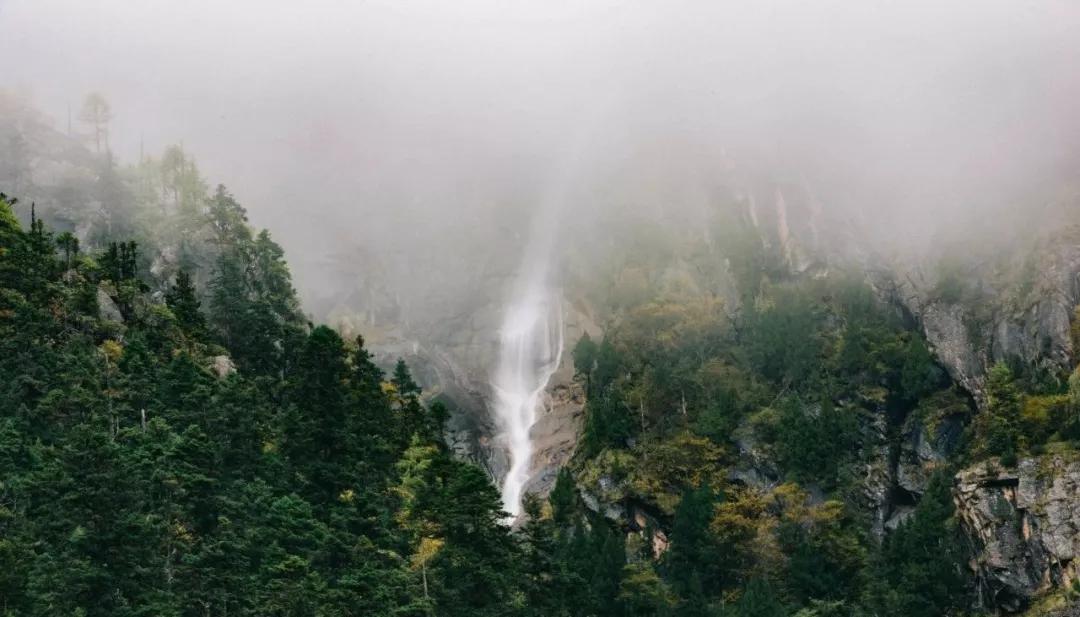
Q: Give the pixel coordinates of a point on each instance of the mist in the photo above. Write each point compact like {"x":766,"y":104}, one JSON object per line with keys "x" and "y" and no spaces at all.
{"x":396,"y":125}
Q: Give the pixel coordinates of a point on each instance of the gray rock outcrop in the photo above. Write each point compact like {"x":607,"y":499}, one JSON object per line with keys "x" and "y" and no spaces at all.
{"x":1017,"y":313}
{"x":560,"y":421}
{"x":1025,"y":527}
{"x":925,"y":445}
{"x":223,"y":366}
{"x":107,"y":308}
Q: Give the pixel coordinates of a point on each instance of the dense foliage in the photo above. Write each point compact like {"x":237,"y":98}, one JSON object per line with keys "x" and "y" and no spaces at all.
{"x":177,"y":439}
{"x":740,"y":427}
{"x":162,"y":457}
{"x":141,"y":474}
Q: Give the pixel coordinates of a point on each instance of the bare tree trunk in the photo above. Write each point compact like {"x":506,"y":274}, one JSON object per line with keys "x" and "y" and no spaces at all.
{"x":641,"y":414}
{"x":423,"y":575}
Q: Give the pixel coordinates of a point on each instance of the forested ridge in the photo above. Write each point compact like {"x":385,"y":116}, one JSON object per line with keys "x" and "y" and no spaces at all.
{"x":145,"y":475}
{"x":782,"y":439}
{"x":141,"y":478}
{"x":177,"y":438}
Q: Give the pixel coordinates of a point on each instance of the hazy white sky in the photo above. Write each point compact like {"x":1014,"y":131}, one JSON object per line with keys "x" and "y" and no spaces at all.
{"x":394,"y":112}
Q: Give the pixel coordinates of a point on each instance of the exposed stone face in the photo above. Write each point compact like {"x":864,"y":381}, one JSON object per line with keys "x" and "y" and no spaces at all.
{"x":877,"y":472}
{"x":560,"y":421}
{"x":107,"y":308}
{"x":1070,"y":611}
{"x":1023,"y":522}
{"x":555,"y":433}
{"x":899,"y":515}
{"x":454,"y":363}
{"x":613,"y":511}
{"x":1027,"y":321}
{"x":756,"y":466}
{"x":946,"y":328}
{"x":924,"y":448}
{"x":222,"y":366}
{"x":1025,"y":527}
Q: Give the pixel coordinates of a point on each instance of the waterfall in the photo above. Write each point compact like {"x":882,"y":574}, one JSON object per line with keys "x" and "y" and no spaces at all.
{"x":530,"y":346}
{"x":531,"y":335}
{"x":530,"y":350}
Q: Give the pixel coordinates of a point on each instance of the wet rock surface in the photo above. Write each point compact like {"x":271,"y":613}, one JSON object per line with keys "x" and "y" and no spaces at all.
{"x":562,"y":416}
{"x":555,"y":433}
{"x":877,"y":472}
{"x":947,"y":330}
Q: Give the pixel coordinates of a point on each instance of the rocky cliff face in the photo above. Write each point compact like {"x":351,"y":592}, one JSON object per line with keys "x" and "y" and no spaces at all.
{"x":1024,"y":524}
{"x":926,"y":444}
{"x":1014,"y":310}
{"x":556,"y":431}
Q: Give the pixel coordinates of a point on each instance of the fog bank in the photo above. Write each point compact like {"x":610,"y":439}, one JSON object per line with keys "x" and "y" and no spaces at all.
{"x":413,"y":127}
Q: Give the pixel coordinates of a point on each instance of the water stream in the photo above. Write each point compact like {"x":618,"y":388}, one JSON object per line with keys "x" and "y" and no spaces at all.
{"x":531,"y":348}
{"x":531,"y":336}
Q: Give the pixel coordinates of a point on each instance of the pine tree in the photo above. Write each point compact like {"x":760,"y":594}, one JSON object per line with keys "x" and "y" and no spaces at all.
{"x":97,"y":114}
{"x":317,"y":441}
{"x":252,"y":301}
{"x":411,"y":419}
{"x":759,"y":600}
{"x":69,"y":244}
{"x":183,"y":300}
{"x":693,"y":555}
{"x":584,"y":354}
{"x":643,"y":594}
{"x":997,"y":429}
{"x":608,"y":560}
{"x":12,"y":244}
{"x":920,"y":564}
{"x":563,"y":497}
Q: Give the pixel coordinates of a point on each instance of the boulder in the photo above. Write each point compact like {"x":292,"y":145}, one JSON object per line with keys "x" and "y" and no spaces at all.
{"x":107,"y":308}
{"x":222,"y":366}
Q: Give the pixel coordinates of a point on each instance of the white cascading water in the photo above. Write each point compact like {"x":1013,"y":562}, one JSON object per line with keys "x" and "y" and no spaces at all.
{"x":531,"y":346}
{"x":531,"y":336}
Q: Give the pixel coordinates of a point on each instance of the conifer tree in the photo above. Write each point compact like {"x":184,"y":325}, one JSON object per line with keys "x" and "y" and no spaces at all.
{"x":759,"y":600}
{"x":183,"y":300}
{"x":693,"y":559}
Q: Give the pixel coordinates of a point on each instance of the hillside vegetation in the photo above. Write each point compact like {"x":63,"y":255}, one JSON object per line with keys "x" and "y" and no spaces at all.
{"x":760,"y":439}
